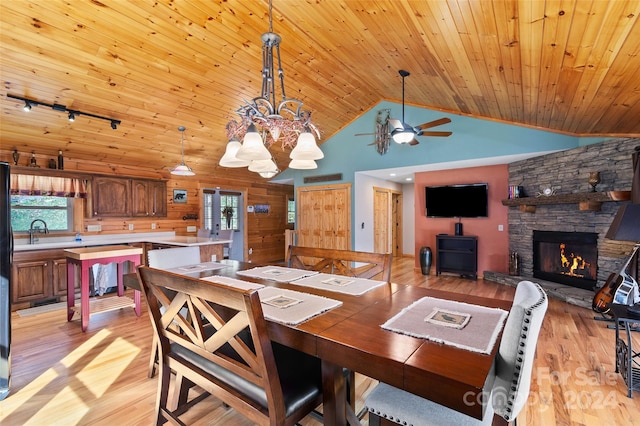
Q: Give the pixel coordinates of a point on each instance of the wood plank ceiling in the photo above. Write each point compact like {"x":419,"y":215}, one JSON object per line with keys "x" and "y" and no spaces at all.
{"x":567,"y":66}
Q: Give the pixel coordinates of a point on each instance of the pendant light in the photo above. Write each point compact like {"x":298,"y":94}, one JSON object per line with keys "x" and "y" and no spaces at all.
{"x":182,"y":169}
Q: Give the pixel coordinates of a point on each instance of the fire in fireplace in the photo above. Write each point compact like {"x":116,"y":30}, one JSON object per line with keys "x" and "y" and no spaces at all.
{"x":569,"y":258}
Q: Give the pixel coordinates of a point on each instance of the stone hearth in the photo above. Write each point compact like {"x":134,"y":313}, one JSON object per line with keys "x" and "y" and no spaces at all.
{"x":566,"y":293}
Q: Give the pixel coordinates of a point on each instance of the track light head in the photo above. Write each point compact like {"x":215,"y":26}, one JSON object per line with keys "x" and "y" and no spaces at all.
{"x":27,"y":106}
{"x":114,"y":124}
{"x":72,"y":116}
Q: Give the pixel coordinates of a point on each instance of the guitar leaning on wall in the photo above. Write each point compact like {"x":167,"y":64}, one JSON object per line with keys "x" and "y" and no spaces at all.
{"x":619,"y":288}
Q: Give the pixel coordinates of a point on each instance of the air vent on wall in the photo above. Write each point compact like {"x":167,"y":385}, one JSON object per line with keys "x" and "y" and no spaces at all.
{"x":323,"y":178}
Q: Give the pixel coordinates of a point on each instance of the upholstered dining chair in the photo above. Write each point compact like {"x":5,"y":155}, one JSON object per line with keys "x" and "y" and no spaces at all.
{"x":513,"y":367}
{"x":222,"y":345}
{"x":168,"y":258}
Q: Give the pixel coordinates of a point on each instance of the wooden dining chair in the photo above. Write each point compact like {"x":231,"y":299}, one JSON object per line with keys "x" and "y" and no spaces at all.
{"x":166,"y":259}
{"x":222,"y":345}
{"x":513,"y":367}
{"x":226,"y":234}
{"x":342,"y":262}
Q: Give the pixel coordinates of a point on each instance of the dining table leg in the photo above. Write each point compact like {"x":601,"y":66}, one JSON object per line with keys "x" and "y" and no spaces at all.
{"x":334,"y":395}
{"x":85,"y":310}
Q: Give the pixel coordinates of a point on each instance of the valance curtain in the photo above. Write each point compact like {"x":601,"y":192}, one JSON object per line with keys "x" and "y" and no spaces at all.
{"x":48,"y":185}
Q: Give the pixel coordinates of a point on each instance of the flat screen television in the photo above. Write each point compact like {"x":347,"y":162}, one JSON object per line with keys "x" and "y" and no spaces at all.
{"x":469,"y":200}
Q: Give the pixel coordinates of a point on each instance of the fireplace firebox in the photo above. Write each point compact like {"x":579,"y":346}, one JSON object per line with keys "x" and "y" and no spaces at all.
{"x":569,"y":258}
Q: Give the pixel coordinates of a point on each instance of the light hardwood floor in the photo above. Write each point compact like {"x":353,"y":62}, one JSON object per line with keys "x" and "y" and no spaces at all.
{"x":62,"y":376}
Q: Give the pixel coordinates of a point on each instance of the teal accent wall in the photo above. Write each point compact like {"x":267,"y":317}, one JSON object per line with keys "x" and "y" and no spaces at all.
{"x":472,"y":138}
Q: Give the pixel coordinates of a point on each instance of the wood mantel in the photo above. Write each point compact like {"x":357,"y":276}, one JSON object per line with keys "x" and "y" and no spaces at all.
{"x":587,"y":201}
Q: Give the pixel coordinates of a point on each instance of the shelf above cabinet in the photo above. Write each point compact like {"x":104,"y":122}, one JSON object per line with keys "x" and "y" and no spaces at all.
{"x":587,"y":201}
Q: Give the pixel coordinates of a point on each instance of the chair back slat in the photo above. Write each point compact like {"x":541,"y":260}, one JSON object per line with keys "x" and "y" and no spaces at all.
{"x":342,"y":262}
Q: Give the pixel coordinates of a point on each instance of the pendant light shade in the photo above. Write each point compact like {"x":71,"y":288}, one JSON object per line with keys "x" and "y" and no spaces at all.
{"x":252,"y":146}
{"x":306,"y":148}
{"x":303,"y":164}
{"x":182,"y":169}
{"x":229,"y":158}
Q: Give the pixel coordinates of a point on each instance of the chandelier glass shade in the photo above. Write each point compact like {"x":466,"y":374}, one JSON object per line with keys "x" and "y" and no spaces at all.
{"x":269,"y":119}
{"x":303,"y":164}
{"x":229,"y":159}
{"x":182,"y":169}
{"x":404,"y":135}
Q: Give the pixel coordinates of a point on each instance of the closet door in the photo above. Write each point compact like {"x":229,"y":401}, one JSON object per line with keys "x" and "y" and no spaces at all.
{"x":324,"y":216}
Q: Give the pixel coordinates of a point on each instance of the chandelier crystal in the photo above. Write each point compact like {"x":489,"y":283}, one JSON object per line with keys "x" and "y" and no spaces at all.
{"x":265,"y":120}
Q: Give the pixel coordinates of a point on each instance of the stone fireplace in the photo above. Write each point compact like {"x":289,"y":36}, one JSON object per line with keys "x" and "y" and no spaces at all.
{"x":569,"y":258}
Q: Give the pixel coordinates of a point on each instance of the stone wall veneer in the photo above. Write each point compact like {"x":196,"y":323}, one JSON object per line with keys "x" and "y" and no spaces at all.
{"x":567,"y":172}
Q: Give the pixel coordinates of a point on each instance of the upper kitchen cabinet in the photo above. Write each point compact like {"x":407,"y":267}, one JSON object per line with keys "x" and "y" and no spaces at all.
{"x":127,"y":197}
{"x":110,"y":197}
{"x":148,"y":198}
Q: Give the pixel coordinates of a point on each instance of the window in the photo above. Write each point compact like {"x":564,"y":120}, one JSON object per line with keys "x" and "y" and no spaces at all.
{"x":56,"y":212}
{"x":229,"y":211}
{"x":291,"y":211}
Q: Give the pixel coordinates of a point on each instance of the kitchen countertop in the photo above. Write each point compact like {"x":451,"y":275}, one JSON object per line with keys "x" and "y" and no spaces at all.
{"x":169,"y":238}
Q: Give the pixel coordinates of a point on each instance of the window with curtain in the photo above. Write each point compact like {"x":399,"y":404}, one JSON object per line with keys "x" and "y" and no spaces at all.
{"x":49,"y":198}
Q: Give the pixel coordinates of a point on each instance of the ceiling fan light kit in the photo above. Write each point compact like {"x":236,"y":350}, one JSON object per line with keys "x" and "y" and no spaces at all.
{"x":264,"y":121}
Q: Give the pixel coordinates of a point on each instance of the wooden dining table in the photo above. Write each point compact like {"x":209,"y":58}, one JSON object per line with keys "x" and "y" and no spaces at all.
{"x":350,"y":336}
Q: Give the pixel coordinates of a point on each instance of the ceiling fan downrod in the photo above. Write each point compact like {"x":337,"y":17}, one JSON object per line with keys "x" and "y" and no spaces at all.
{"x":403,"y":74}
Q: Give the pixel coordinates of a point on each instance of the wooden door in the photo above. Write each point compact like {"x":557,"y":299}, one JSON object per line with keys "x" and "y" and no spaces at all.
{"x":324,"y":216}
{"x":381,"y":220}
{"x":387,"y":221}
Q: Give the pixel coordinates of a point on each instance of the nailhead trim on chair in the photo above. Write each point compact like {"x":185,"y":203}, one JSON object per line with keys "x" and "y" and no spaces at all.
{"x":519,"y":360}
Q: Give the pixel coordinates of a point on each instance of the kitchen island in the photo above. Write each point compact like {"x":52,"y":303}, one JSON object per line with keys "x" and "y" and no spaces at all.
{"x":39,"y":271}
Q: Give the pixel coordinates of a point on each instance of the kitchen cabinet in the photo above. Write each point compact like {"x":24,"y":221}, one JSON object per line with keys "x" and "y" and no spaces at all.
{"x":110,"y":197}
{"x":148,"y":198}
{"x":127,"y":197}
{"x":38,"y":276}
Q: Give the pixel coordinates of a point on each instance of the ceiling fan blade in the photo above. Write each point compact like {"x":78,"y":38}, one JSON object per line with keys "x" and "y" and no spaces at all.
{"x":434,"y":123}
{"x":434,"y":134}
{"x":414,"y":142}
{"x":364,"y":134}
{"x":396,"y":124}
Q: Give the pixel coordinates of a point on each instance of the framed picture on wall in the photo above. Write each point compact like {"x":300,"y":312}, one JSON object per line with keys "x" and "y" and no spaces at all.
{"x":180,"y":196}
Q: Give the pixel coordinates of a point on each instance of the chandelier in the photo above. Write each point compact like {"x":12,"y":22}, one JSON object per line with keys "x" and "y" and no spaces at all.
{"x":264,"y":122}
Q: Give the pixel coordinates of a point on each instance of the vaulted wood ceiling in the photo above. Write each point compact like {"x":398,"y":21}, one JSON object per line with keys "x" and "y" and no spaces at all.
{"x":566,"y":66}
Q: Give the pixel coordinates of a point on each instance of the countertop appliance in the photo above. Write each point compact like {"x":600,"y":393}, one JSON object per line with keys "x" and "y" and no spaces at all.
{"x":6,"y":258}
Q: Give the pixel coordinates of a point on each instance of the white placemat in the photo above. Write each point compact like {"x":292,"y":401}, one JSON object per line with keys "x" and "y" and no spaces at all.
{"x":196,"y":268}
{"x":293,"y":307}
{"x":276,"y":273}
{"x":339,"y":283}
{"x":481,"y":327}
{"x":232,"y":282}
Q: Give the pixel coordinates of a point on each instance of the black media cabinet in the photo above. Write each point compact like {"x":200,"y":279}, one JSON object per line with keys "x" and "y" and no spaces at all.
{"x":457,"y":254}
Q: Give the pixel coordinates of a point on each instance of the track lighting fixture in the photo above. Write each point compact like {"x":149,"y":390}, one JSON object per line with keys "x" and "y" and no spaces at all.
{"x":71,"y":114}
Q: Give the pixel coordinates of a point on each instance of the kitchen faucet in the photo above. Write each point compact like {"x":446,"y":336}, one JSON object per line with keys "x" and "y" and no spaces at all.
{"x":36,"y":230}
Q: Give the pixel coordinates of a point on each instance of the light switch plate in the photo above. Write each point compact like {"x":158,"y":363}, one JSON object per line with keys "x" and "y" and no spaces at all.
{"x":191,"y":229}
{"x":131,"y":227}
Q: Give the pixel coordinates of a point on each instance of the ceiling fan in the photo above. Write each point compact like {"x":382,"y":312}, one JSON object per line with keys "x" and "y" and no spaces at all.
{"x":402,"y":132}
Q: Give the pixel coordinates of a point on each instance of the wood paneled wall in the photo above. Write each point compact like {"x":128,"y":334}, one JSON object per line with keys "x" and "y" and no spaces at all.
{"x":264,"y":232}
